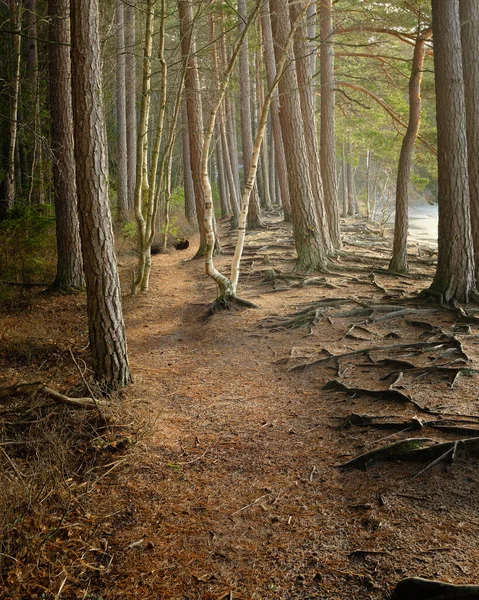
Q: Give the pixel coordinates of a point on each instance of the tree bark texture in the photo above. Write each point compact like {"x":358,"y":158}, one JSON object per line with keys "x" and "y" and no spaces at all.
{"x":327,"y":132}
{"x":469,"y":14}
{"x":310,"y":242}
{"x":279,"y":154}
{"x":399,"y":257}
{"x":454,"y":278}
{"x":302,"y":52}
{"x":122,"y":142}
{"x":69,"y":273}
{"x":254,"y":216}
{"x":105,"y":318}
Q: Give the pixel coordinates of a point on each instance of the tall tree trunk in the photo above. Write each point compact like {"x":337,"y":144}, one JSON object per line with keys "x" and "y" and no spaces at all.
{"x":130,"y":100}
{"x":454,"y":278}
{"x":350,"y":178}
{"x":327,"y":133}
{"x":469,"y":13}
{"x":310,"y":237}
{"x":122,"y":146}
{"x":194,"y":109}
{"x":254,"y":218}
{"x":279,"y":153}
{"x":399,"y":257}
{"x":302,"y":52}
{"x":344,"y":173}
{"x":69,"y":260}
{"x":260,"y":101}
{"x":105,"y":318}
{"x":189,"y":192}
{"x":16,"y":25}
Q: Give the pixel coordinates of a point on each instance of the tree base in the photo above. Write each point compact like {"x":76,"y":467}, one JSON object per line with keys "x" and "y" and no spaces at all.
{"x":227,"y":302}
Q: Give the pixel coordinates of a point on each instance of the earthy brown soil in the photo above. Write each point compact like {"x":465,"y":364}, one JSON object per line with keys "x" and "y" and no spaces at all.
{"x":232,"y":491}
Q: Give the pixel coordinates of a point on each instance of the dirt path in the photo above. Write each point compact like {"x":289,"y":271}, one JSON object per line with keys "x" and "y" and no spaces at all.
{"x":233,"y":491}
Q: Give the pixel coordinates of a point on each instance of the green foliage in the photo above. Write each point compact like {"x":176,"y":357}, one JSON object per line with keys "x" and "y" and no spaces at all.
{"x":172,"y":230}
{"x":128,"y":230}
{"x":27,"y":244}
{"x":177,"y":199}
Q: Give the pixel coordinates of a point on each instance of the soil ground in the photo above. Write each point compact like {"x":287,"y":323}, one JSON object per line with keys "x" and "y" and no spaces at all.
{"x":232,"y":490}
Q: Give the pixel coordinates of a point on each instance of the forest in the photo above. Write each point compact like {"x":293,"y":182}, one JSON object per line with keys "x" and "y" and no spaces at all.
{"x":239,"y":287}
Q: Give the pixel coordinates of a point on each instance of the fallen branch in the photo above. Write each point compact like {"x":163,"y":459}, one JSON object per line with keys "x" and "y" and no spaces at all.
{"x":416,"y":588}
{"x":38,"y":387}
{"x":394,"y":451}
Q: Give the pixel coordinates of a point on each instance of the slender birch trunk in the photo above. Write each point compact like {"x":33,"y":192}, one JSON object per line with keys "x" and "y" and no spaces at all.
{"x":189,"y":192}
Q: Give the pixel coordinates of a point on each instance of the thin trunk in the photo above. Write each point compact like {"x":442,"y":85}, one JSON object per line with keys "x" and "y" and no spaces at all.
{"x":189,"y":192}
{"x":279,"y":153}
{"x":69,"y":273}
{"x":327,"y":133}
{"x":254,"y":218}
{"x":344,"y":173}
{"x":399,"y":257}
{"x":349,"y":173}
{"x":194,"y":109}
{"x":368,"y":185}
{"x":222,"y":184}
{"x":16,"y":25}
{"x":122,"y":148}
{"x":260,"y":101}
{"x":130,"y":93}
{"x":105,"y":318}
{"x":469,"y":13}
{"x":454,"y":279}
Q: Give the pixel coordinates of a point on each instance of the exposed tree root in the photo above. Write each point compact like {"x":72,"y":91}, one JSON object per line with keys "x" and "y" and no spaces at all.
{"x":449,"y":342}
{"x":229,"y":302}
{"x":416,"y":588}
{"x":415,"y":449}
{"x":457,"y":425}
{"x":388,"y":394}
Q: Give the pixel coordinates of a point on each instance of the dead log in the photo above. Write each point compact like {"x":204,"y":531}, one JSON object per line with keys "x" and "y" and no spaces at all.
{"x":416,"y":588}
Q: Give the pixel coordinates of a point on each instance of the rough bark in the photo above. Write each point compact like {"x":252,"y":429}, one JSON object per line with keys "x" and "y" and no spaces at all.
{"x":350,"y":179}
{"x":469,"y":14}
{"x":454,"y":277}
{"x":130,"y":92}
{"x":327,"y":131}
{"x":279,"y":154}
{"x":122,"y":145}
{"x":267,"y":203}
{"x":399,"y":257}
{"x":302,"y":53}
{"x":69,"y":273}
{"x":310,"y":241}
{"x":105,"y":318}
{"x":254,"y":217}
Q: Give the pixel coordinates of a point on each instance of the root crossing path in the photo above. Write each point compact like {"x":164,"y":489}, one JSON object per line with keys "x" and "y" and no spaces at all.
{"x":232,"y":490}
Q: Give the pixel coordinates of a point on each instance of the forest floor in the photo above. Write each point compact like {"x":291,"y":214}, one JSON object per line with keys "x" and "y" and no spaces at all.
{"x":230,"y":488}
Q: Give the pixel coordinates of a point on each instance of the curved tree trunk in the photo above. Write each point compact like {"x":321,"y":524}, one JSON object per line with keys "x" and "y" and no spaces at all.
{"x":310,"y":238}
{"x":105,"y":318}
{"x":399,"y":258}
{"x":327,"y":132}
{"x":69,"y":273}
{"x":254,"y":217}
{"x":454,"y":278}
{"x":469,"y":13}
